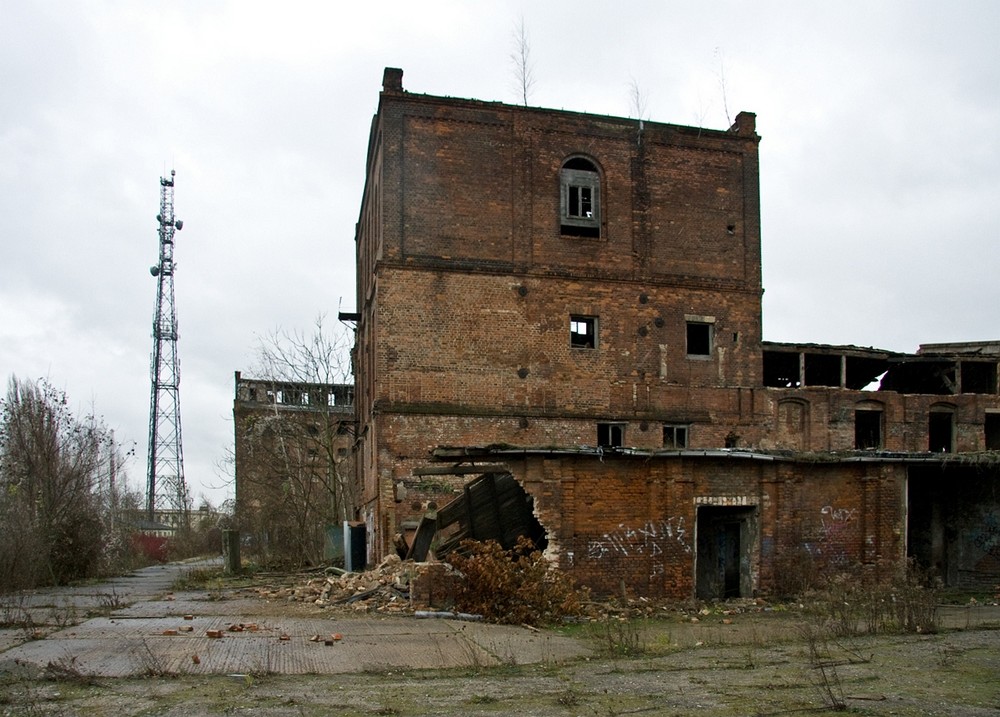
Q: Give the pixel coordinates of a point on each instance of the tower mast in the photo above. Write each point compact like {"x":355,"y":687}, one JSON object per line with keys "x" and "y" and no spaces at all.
{"x":166,"y":489}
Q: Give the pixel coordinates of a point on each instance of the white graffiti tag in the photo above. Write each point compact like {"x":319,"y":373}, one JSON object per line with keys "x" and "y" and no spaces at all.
{"x":650,"y":540}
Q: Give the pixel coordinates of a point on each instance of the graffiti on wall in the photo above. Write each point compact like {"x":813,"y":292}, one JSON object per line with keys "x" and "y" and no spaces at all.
{"x":651,"y":540}
{"x":988,"y":537}
{"x":834,"y":525}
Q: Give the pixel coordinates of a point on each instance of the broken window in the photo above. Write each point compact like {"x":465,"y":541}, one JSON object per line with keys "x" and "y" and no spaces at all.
{"x":868,"y":429}
{"x":699,"y":338}
{"x":675,"y":436}
{"x":822,"y":370}
{"x":992,"y":427}
{"x":941,"y":431}
{"x":781,"y":369}
{"x":611,"y":435}
{"x":580,"y":198}
{"x":583,"y":332}
{"x":979,"y":377}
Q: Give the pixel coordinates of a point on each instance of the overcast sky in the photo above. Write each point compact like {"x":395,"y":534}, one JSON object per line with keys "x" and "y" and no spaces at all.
{"x":880,"y":159}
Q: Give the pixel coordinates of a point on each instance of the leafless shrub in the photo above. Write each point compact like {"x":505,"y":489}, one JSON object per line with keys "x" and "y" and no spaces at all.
{"x":905,"y":603}
{"x":150,"y":664}
{"x":66,"y":669}
{"x":516,"y":587}
{"x":618,"y":636}
{"x":824,"y":675}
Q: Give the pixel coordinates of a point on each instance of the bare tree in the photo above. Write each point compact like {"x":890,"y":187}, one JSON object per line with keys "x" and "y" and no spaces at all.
{"x":520,"y":57}
{"x":293,"y":460}
{"x":637,"y":100}
{"x":58,"y":502}
{"x":322,"y":356}
{"x":722,"y":85}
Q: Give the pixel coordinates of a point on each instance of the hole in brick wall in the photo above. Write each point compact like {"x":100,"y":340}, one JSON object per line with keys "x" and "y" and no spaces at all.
{"x":658,"y":322}
{"x":643,"y":331}
{"x":643,"y":299}
{"x":523,"y":372}
{"x":522,"y":291}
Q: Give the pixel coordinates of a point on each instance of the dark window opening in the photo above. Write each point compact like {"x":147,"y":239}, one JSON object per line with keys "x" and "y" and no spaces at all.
{"x":781,"y":369}
{"x":822,"y":370}
{"x":940,"y":432}
{"x":675,"y":436}
{"x":979,"y":377}
{"x":868,"y":430}
{"x":611,"y":435}
{"x":861,"y":372}
{"x":699,"y":339}
{"x":992,"y":428}
{"x":920,"y":376}
{"x":580,"y":199}
{"x":583,"y":332}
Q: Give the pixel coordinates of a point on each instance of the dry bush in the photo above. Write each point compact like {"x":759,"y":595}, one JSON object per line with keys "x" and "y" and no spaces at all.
{"x":515,"y":587}
{"x":905,"y":603}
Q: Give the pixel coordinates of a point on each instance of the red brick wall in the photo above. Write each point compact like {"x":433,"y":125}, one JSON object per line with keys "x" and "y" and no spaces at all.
{"x":634,"y":521}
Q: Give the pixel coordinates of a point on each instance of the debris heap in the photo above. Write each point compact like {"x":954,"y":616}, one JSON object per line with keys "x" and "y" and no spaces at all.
{"x":392,"y":586}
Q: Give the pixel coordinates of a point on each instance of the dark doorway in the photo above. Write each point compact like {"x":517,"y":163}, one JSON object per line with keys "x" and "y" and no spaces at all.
{"x":725,"y":537}
{"x":953,"y":523}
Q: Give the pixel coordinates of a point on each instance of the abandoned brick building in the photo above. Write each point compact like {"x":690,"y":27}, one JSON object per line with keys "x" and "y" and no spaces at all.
{"x":571,"y":304}
{"x":294,"y":466}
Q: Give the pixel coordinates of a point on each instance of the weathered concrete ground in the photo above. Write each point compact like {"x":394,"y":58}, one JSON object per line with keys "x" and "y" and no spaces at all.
{"x":726,"y":663}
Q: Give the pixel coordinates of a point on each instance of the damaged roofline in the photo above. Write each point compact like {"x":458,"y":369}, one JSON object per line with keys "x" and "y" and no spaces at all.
{"x":469,"y":454}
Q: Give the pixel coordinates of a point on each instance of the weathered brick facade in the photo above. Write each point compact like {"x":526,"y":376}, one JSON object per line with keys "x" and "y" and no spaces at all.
{"x":587,"y":289}
{"x":294,"y":466}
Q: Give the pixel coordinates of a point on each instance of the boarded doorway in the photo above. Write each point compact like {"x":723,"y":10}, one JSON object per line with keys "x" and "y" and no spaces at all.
{"x":725,"y":538}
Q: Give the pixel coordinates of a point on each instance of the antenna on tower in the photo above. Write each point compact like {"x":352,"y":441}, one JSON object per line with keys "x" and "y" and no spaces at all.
{"x":166,"y":490}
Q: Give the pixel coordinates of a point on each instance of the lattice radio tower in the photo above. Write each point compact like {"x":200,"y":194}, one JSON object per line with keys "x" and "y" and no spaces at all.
{"x":166,"y":489}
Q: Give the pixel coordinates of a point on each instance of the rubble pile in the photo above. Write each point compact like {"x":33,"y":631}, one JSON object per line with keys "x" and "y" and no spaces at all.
{"x":392,"y":586}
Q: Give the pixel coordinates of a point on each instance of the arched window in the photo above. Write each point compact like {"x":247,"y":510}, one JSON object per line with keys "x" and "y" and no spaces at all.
{"x":580,"y":198}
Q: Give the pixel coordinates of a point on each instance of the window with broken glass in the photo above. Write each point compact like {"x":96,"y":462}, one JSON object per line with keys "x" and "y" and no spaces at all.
{"x":580,"y":199}
{"x":583,"y":332}
{"x":611,"y":435}
{"x":675,"y":436}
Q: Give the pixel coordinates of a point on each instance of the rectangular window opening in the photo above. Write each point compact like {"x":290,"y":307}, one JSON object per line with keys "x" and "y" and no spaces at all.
{"x":675,"y":436}
{"x":583,"y":332}
{"x":940,"y":432}
{"x":868,"y":430}
{"x":611,"y":435}
{"x":992,"y":428}
{"x":699,"y":339}
{"x":979,"y":377}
